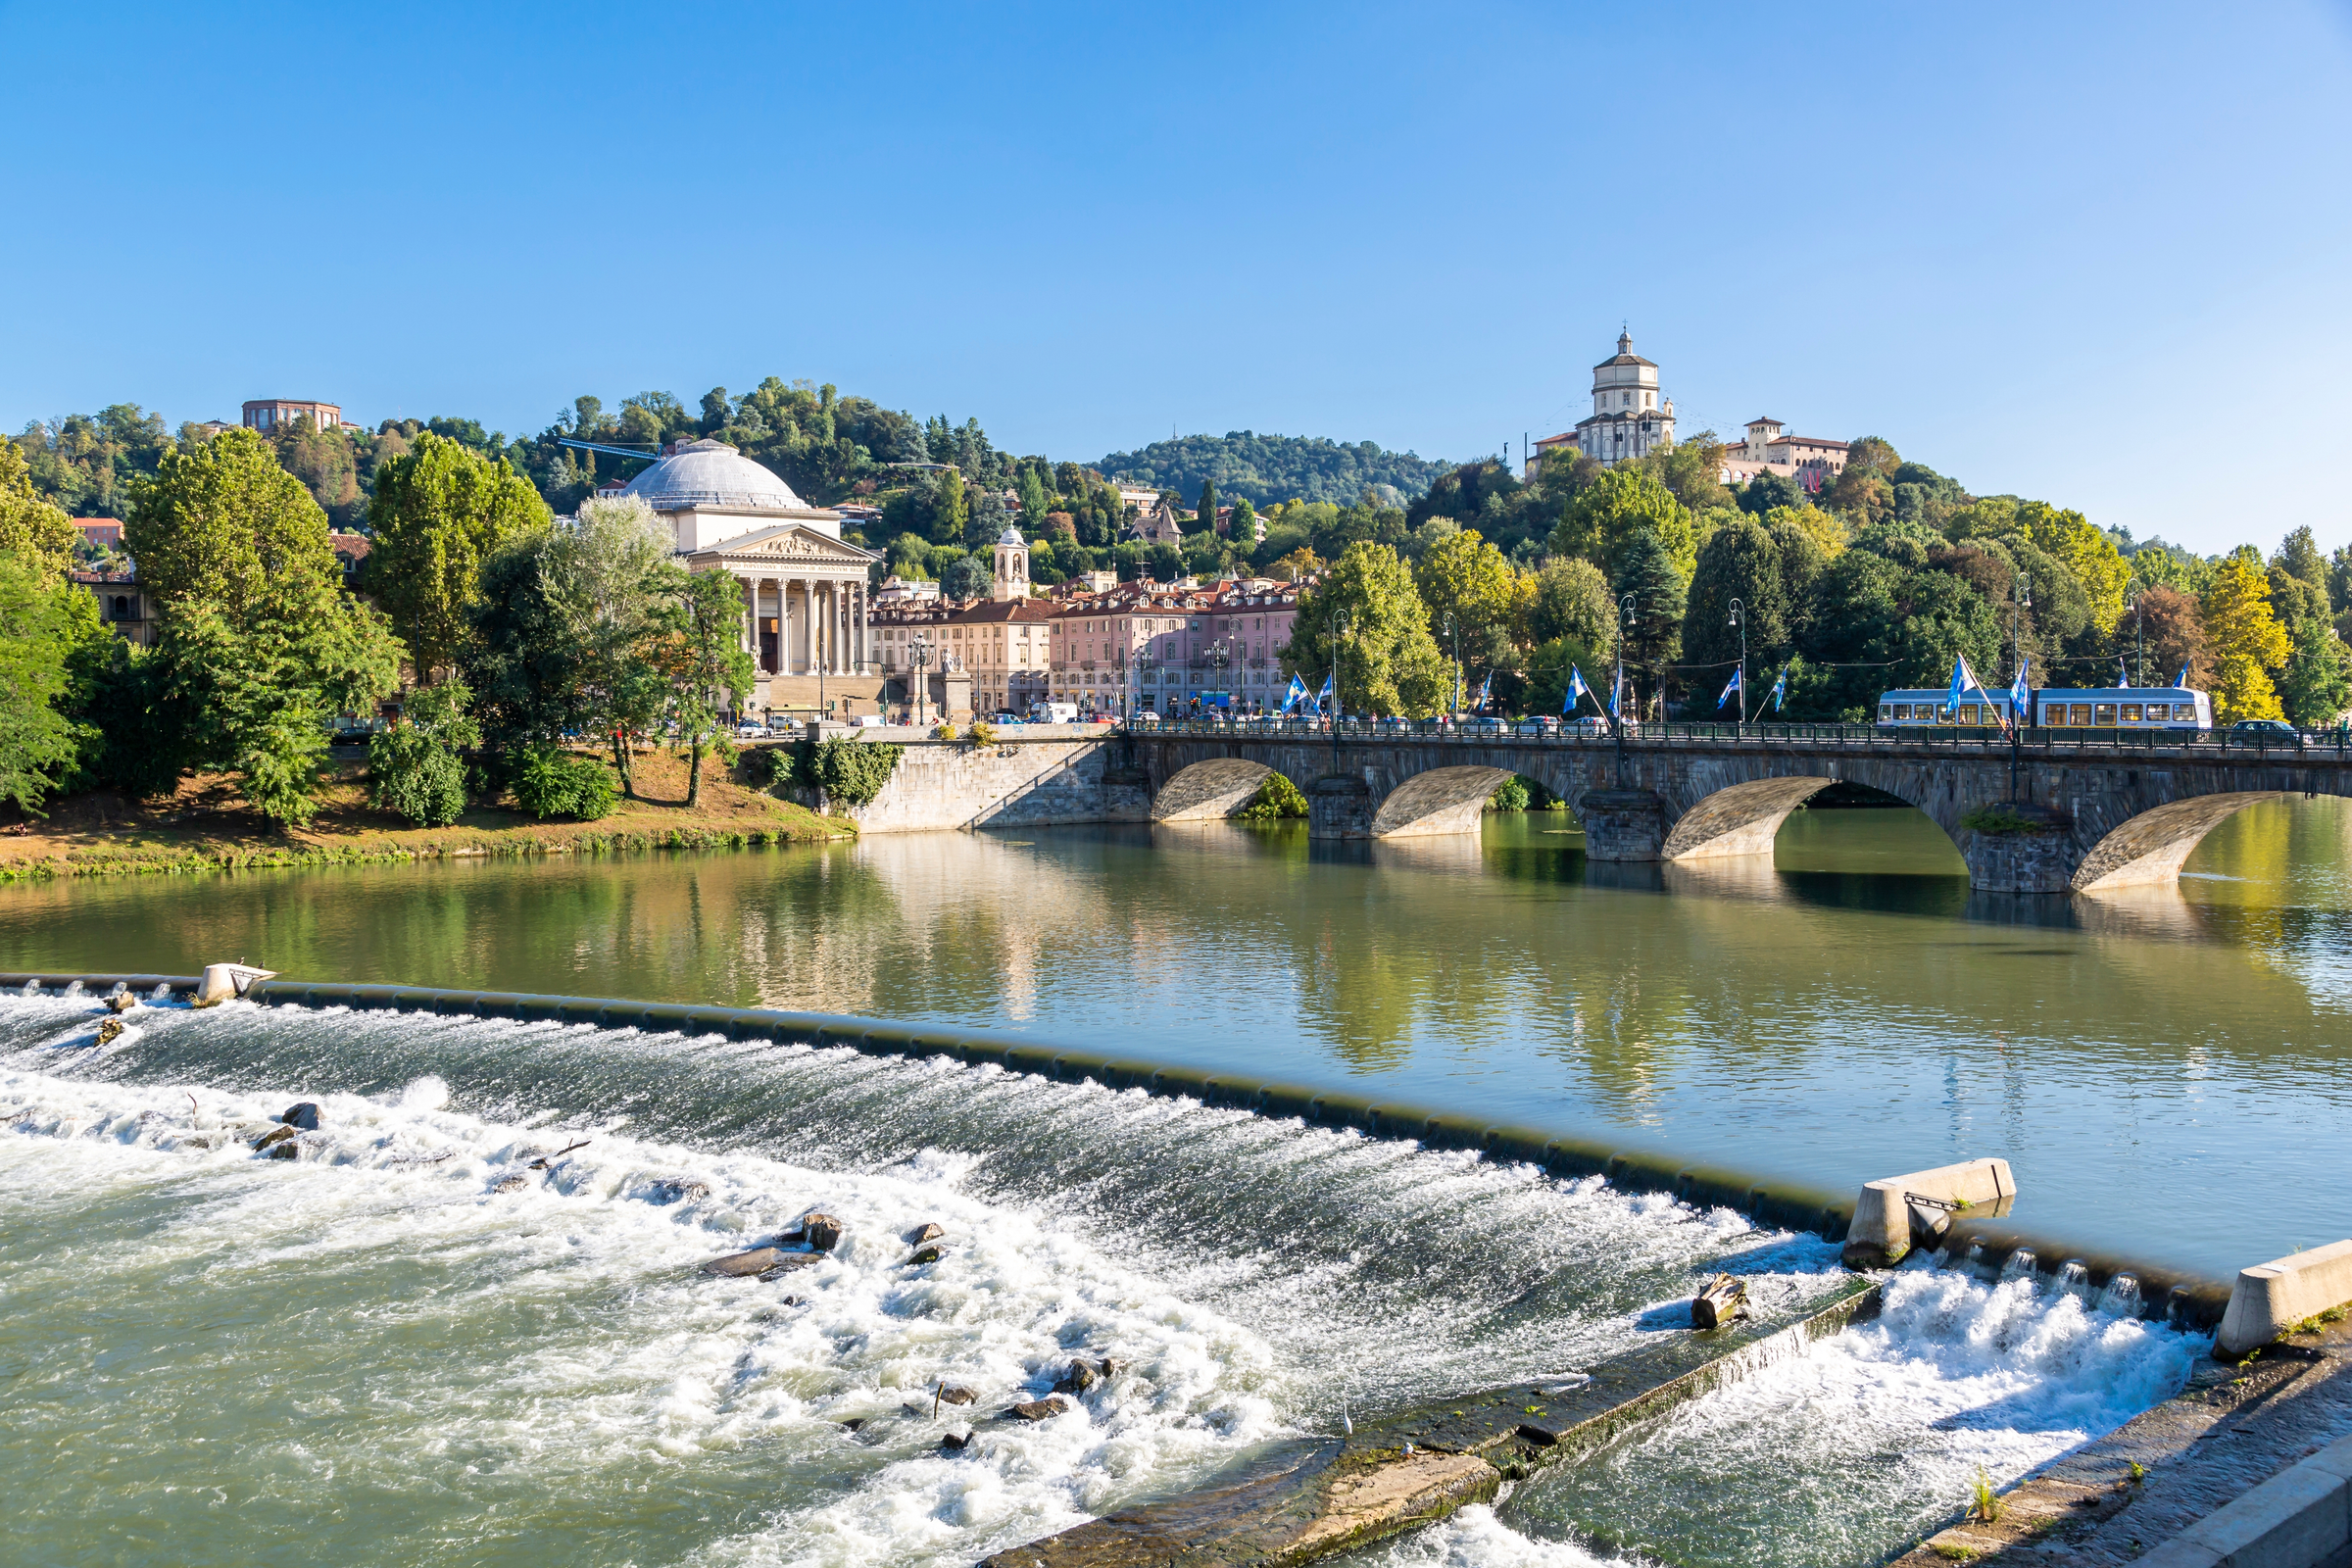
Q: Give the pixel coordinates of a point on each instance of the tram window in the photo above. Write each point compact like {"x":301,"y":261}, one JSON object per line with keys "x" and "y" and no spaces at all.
{"x":2054,"y":713}
{"x":1899,"y":710}
{"x":2131,"y":713}
{"x":2106,"y":714}
{"x":1968,"y":714}
{"x":2187,"y":710}
{"x":1886,"y":711}
{"x":2078,"y":713}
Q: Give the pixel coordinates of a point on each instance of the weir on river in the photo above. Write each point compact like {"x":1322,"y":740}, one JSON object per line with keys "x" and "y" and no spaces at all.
{"x":480,"y":1360}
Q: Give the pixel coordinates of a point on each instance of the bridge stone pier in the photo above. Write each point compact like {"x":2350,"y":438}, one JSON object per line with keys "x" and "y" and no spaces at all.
{"x":2090,"y":816}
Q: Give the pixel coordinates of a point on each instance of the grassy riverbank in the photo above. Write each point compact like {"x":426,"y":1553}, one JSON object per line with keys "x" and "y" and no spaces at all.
{"x":203,"y":829}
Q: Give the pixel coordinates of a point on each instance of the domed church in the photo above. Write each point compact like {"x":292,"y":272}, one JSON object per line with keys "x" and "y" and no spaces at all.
{"x":805,"y":597}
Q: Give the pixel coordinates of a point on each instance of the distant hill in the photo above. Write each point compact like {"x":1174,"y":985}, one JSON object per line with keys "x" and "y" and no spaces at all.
{"x":1274,"y":468}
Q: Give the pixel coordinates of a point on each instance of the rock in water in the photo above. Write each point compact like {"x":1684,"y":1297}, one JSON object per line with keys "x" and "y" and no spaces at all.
{"x":1043,"y":1409}
{"x":509,"y":1184}
{"x":303,"y":1117}
{"x":756,"y":1261}
{"x":955,"y":1442}
{"x":1720,"y":1303}
{"x":927,"y":1254}
{"x":955,"y":1393}
{"x":924,"y":1232}
{"x":285,"y":1150}
{"x":1081,"y":1377}
{"x":824,"y":1231}
{"x":108,"y":1030}
{"x":676,"y":1189}
{"x":276,"y":1135}
{"x":120,"y":1001}
{"x":786,"y":1262}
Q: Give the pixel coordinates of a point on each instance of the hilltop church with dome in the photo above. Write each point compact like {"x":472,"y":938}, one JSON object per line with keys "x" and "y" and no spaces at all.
{"x":807,"y":602}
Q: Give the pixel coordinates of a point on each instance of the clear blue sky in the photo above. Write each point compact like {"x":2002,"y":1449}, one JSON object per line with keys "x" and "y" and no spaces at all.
{"x":2062,"y":251}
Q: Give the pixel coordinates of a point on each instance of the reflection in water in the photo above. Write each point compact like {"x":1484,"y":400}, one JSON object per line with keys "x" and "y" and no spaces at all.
{"x":1802,"y":1017}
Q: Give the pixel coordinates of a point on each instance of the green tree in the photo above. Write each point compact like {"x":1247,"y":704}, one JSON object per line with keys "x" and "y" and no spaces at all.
{"x":1602,"y":521}
{"x":709,"y":670}
{"x":2299,"y":555}
{"x":1036,"y":502}
{"x":259,"y":645}
{"x":949,"y":509}
{"x":31,"y":530}
{"x":1742,"y":561}
{"x":1653,"y":637}
{"x":1204,"y":512}
{"x":1465,"y":580}
{"x":562,"y":631}
{"x":2318,"y":678}
{"x":2086,"y":552}
{"x":1386,"y":661}
{"x":42,"y":622}
{"x":2246,"y":638}
{"x":438,"y":514}
{"x":1572,"y":600}
{"x":413,"y":769}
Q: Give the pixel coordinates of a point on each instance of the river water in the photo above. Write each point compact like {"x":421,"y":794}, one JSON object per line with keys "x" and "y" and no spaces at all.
{"x":387,"y":1351}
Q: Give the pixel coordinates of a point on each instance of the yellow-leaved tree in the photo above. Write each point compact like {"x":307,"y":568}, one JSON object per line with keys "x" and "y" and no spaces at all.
{"x":2246,"y":640}
{"x":2089,"y":554}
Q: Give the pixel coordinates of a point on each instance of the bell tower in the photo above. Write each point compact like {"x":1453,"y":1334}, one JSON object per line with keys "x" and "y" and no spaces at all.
{"x":1011,"y":580}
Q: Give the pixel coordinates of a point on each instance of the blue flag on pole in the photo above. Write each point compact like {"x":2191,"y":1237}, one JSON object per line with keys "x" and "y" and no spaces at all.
{"x":1962,"y":680}
{"x":1485,"y":689}
{"x":1576,"y":689}
{"x":2020,"y":695}
{"x":1616,"y":690}
{"x":1729,"y":687}
{"x":2182,"y":680}
{"x":2123,"y":677}
{"x":1295,"y":696}
{"x":1323,"y":700}
{"x":1780,"y":690}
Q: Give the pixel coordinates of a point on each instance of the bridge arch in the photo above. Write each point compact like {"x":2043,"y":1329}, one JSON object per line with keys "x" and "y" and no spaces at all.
{"x":2152,"y":847}
{"x":1441,"y":800}
{"x":1738,"y":819}
{"x":1209,"y":791}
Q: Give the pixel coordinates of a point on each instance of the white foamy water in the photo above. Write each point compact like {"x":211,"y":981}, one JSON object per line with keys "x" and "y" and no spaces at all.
{"x":1876,"y":1434}
{"x":408,"y":1346}
{"x":660,"y":1367}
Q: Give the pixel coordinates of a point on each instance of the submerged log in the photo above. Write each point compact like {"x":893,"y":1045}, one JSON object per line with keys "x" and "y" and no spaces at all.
{"x":1722,"y":1300}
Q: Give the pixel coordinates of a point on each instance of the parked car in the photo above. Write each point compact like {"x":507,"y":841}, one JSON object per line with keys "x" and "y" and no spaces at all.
{"x":1483,"y":724}
{"x":869,"y":722}
{"x":1145,"y":720}
{"x":1004,"y":716}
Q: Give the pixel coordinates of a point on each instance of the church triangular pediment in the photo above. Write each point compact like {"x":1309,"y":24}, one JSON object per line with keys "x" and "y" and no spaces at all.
{"x":790,"y":544}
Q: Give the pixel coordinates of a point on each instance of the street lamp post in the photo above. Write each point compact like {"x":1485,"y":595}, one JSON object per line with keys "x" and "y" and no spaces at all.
{"x":1339,"y":624}
{"x":1628,"y":613}
{"x":1455,"y":634}
{"x":1143,"y":666}
{"x":920,"y":654}
{"x":1219,"y":656}
{"x":2016,"y":654}
{"x":1740,"y":620}
{"x":2140,"y":643}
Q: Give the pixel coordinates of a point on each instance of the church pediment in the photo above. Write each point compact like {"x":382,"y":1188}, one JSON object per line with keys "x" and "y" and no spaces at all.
{"x":789,"y":544}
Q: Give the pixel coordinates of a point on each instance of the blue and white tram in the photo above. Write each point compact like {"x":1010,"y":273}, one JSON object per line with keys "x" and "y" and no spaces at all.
{"x":2056,"y":707}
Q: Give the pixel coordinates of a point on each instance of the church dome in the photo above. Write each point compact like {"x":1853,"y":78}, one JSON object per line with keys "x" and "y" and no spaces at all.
{"x":711,"y":473}
{"x":1011,"y":536}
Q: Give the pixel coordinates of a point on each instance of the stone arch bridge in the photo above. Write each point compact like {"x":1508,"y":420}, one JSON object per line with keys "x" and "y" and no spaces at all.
{"x":2094,"y":815}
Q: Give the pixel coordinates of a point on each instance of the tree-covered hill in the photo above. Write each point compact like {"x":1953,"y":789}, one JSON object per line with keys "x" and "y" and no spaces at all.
{"x":1269,"y":468}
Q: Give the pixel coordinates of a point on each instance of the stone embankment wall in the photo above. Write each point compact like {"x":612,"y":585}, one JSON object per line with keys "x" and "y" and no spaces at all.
{"x":1026,"y":782}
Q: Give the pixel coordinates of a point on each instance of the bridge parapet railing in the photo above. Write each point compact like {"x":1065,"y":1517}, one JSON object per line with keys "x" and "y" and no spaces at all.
{"x":2334,"y":744}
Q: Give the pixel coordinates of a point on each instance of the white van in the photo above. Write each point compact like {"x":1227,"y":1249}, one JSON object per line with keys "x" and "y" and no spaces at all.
{"x":1053,"y":713}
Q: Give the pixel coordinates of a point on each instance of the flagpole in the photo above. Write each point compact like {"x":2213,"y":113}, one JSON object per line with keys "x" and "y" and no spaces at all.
{"x":1741,"y":621}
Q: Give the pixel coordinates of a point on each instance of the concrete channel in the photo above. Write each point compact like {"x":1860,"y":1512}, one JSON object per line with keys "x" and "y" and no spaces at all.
{"x":1305,"y":1500}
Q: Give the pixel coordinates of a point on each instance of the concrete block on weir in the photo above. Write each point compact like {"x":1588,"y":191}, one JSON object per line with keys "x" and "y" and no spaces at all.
{"x":2270,"y":1299}
{"x":224,"y":982}
{"x":1881,"y":1233}
{"x":2299,"y":1518}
